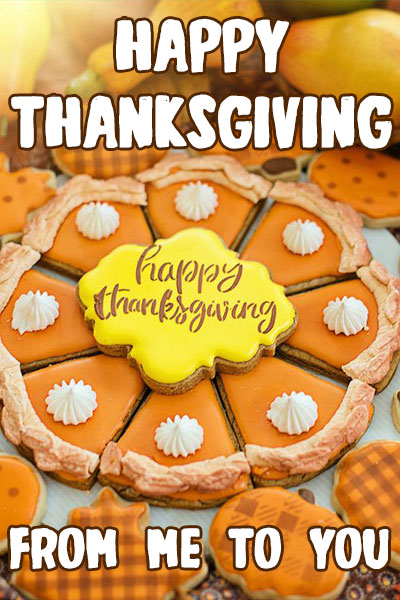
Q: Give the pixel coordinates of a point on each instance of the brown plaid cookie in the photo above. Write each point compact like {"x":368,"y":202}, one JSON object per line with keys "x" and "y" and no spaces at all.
{"x":367,"y":489}
{"x":129,"y":581}
{"x":295,"y":576}
{"x":103,"y":163}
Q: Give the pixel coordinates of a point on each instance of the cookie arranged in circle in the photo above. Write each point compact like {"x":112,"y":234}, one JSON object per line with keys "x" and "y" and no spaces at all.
{"x":306,"y":240}
{"x":295,"y":576}
{"x":211,"y":191}
{"x":292,"y":424}
{"x":40,"y":320}
{"x":63,"y":416}
{"x":23,"y":498}
{"x":186,"y":297}
{"x":350,"y":330}
{"x":178,"y":452}
{"x":366,"y":490}
{"x":131,"y":579}
{"x":365,"y":179}
{"x":87,"y":219}
{"x":21,"y":193}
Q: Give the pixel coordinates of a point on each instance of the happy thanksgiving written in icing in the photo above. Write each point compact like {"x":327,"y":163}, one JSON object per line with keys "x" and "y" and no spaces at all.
{"x":171,"y":305}
{"x":182,"y":302}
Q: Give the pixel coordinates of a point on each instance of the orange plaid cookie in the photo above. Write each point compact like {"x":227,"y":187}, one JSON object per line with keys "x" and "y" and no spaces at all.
{"x":21,"y":192}
{"x":103,"y":163}
{"x":367,"y":180}
{"x":295,"y":576}
{"x":367,"y":489}
{"x":131,"y":580}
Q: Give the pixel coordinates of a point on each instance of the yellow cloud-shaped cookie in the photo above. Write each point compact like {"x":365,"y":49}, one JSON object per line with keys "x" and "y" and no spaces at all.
{"x":183,"y":307}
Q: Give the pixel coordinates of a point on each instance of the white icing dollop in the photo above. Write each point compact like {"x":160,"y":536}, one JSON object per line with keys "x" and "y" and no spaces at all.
{"x":293,"y":413}
{"x":179,"y":437}
{"x":72,"y":403}
{"x":97,"y":220}
{"x":34,"y":311}
{"x":303,"y":237}
{"x":196,"y":201}
{"x":346,"y":315}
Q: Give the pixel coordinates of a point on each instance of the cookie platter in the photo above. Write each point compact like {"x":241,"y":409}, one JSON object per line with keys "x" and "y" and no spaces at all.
{"x":59,"y":234}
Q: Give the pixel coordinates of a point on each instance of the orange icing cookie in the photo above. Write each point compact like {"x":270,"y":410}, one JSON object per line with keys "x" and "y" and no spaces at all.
{"x":187,"y":297}
{"x":22,"y":495}
{"x":86,"y":220}
{"x":22,"y":192}
{"x":307,"y":240}
{"x":367,"y":180}
{"x":179,"y":189}
{"x":366,"y":490}
{"x":295,"y":577}
{"x":341,"y":418}
{"x":214,"y":471}
{"x":103,"y":163}
{"x":60,"y":445}
{"x":369,"y":354}
{"x":131,"y":579}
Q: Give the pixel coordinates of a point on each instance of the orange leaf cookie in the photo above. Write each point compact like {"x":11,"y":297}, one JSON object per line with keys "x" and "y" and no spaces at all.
{"x":86,"y":220}
{"x":366,"y":179}
{"x":211,"y":191}
{"x":40,"y":320}
{"x":188,"y":297}
{"x":22,"y":495}
{"x":130,"y":580}
{"x":63,"y":416}
{"x":291,"y":424}
{"x":21,"y":193}
{"x":366,"y":489}
{"x":351,"y":329}
{"x":306,"y":240}
{"x":177,"y":452}
{"x":295,"y":576}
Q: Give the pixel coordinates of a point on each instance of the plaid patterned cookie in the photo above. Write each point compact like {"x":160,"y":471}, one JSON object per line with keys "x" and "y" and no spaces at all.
{"x":295,"y":576}
{"x":366,"y":489}
{"x":131,"y":580}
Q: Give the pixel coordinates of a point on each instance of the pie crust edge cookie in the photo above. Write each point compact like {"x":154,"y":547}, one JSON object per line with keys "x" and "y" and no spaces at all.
{"x":41,"y":231}
{"x":306,"y":459}
{"x":341,"y":218}
{"x":376,"y":364}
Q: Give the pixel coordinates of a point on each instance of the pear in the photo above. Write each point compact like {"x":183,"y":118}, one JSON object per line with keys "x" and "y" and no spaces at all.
{"x":356,"y":53}
{"x":306,"y":9}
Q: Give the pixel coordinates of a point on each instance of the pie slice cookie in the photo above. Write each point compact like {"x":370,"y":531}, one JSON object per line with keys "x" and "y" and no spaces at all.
{"x":295,"y":576}
{"x":40,"y":319}
{"x":186,"y":297}
{"x":131,"y":579}
{"x":306,"y":240}
{"x":351,"y":329}
{"x":21,"y":193}
{"x":214,"y":191}
{"x":63,"y":416}
{"x":366,"y":490}
{"x":366,"y":179}
{"x":178,"y":451}
{"x":22,"y":496}
{"x":291,"y":424}
{"x":86,"y":220}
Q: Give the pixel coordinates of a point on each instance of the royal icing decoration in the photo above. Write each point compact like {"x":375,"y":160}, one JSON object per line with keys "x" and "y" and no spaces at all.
{"x":346,"y":315}
{"x":97,"y":220}
{"x":196,"y":201}
{"x":34,"y":311}
{"x":179,"y":437}
{"x":72,"y":403}
{"x":293,"y":413}
{"x":182,"y":304}
{"x":303,"y":237}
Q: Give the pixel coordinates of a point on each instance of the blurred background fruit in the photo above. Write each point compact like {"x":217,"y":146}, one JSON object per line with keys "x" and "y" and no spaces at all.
{"x":305,"y":9}
{"x":354,"y":53}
